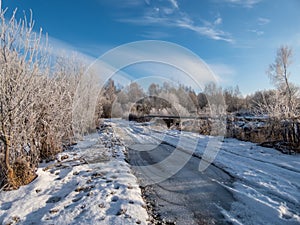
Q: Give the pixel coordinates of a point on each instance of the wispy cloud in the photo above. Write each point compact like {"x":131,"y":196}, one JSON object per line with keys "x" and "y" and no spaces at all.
{"x":224,"y":72}
{"x":173,"y":16}
{"x":258,"y":29}
{"x":133,"y":3}
{"x":206,"y":30}
{"x":184,"y":23}
{"x":60,"y":48}
{"x":174,"y":3}
{"x":218,"y":21}
{"x":257,"y":32}
{"x":155,"y":35}
{"x":263,"y":21}
{"x":242,"y":3}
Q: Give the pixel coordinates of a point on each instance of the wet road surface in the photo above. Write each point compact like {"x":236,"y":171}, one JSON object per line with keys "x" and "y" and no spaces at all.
{"x":189,"y":196}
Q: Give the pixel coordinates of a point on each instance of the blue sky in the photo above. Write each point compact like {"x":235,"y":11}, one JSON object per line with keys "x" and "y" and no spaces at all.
{"x":236,"y":38}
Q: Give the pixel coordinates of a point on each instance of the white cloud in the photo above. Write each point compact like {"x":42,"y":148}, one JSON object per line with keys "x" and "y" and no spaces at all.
{"x":155,"y":35}
{"x":243,"y":3}
{"x":173,"y":16}
{"x":125,"y":4}
{"x":174,"y":3}
{"x":263,"y":21}
{"x":168,"y":11}
{"x":224,"y":72}
{"x":218,"y":21}
{"x":155,"y":58}
{"x":183,"y":21}
{"x":257,"y":32}
{"x":207,"y":31}
{"x":134,"y":3}
{"x":61,"y":48}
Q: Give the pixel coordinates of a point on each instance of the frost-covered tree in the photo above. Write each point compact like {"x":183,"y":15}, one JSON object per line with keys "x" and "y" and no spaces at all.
{"x":279,"y":75}
{"x":109,"y":94}
{"x":35,"y":100}
{"x":214,"y":95}
{"x":153,"y":89}
{"x":134,"y":92}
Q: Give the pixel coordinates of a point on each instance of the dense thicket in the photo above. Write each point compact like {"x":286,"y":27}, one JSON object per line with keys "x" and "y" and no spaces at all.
{"x":36,"y":97}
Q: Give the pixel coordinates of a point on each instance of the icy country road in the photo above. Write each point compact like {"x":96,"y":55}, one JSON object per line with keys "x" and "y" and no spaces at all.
{"x":188,"y":197}
{"x":263,"y":185}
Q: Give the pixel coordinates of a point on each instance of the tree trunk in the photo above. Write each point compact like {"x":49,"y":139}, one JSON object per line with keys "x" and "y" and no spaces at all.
{"x":6,"y":150}
{"x":289,"y":92}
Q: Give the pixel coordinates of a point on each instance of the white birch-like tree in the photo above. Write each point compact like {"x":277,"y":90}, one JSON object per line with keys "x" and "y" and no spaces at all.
{"x":279,"y":75}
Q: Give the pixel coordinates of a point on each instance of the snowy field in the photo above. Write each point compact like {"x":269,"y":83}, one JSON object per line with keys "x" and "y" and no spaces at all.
{"x":266,"y":182}
{"x":90,"y":184}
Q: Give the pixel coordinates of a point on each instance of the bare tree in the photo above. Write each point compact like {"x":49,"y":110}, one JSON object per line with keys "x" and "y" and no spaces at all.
{"x":135,"y":92}
{"x":233,"y":99}
{"x":280,"y":76}
{"x":215,"y":99}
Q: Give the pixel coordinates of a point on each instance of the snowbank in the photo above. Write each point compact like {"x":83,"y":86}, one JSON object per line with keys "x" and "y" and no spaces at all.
{"x":266,"y":182}
{"x":90,"y":184}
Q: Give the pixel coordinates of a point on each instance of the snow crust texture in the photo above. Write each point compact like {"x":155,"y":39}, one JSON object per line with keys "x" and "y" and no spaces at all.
{"x":266,"y":183}
{"x":90,"y":184}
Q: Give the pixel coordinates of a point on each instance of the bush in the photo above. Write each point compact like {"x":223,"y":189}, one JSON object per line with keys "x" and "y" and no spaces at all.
{"x":36,"y":101}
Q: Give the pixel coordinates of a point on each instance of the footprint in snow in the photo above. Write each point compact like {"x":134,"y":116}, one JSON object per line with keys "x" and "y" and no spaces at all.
{"x":114,"y":198}
{"x":6,"y":206}
{"x":53,"y":199}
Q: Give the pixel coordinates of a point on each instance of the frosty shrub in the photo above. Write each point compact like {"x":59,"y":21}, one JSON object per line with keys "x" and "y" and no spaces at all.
{"x":35,"y":101}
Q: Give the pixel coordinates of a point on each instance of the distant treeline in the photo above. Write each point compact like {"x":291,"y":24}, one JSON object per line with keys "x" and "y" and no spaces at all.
{"x":183,"y":100}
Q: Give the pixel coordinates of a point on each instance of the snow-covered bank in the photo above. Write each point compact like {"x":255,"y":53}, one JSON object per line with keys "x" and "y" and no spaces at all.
{"x":90,"y":184}
{"x":266,"y":182}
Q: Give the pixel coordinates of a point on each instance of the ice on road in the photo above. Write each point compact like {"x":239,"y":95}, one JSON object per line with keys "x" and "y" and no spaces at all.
{"x":266,"y":184}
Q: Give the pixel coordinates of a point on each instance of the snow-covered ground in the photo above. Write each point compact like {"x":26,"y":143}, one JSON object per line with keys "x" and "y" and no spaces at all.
{"x":90,"y":184}
{"x":266,"y":182}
